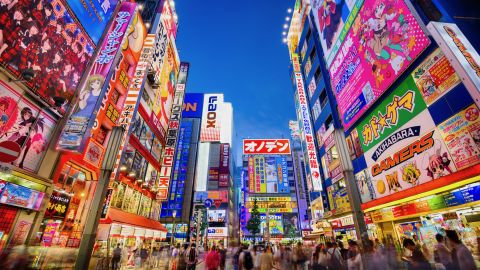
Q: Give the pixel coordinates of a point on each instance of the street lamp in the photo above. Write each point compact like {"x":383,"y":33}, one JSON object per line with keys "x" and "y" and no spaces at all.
{"x":174,"y":215}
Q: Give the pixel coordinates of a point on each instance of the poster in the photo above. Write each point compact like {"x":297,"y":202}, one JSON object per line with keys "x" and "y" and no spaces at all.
{"x":383,"y":41}
{"x":403,"y":104}
{"x":271,"y":174}
{"x":282,"y":175}
{"x":58,"y":205}
{"x":290,"y":225}
{"x":333,"y":19}
{"x":47,"y":39}
{"x":21,"y":196}
{"x":49,"y":234}
{"x":365,"y":187}
{"x":435,"y":76}
{"x":275,"y":224}
{"x":462,"y":136}
{"x":216,"y":215}
{"x":421,"y":156}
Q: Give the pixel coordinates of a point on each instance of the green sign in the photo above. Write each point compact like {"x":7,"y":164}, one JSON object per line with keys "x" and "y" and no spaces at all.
{"x":436,"y":202}
{"x":404,"y":103}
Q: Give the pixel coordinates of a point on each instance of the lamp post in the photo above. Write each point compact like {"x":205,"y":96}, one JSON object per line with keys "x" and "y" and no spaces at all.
{"x":174,"y":215}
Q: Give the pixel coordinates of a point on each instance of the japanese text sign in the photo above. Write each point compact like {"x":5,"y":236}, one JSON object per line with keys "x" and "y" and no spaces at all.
{"x":266,"y":146}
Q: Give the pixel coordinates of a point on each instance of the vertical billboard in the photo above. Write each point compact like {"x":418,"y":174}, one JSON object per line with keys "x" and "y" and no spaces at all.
{"x":333,"y":19}
{"x":193,"y":105}
{"x":251,"y":175}
{"x":77,"y":129}
{"x":93,"y":15}
{"x":210,"y":129}
{"x":308,"y":131}
{"x":44,"y":37}
{"x":271,"y":174}
{"x":385,"y":38}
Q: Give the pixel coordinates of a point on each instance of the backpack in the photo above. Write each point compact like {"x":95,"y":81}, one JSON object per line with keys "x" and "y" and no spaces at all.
{"x":247,"y":260}
{"x":335,"y":263}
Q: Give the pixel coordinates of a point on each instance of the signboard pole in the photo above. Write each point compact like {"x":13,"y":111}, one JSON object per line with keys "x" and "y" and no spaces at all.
{"x":352,"y":187}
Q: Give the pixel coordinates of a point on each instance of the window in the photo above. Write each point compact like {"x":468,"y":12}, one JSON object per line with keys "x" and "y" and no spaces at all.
{"x":311,"y":87}
{"x":323,"y":99}
{"x":317,"y":74}
{"x":316,"y":109}
{"x":329,"y":122}
{"x":313,"y":54}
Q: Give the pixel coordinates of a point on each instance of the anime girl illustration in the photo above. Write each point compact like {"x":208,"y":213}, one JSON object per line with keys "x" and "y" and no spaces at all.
{"x":438,"y":166}
{"x":89,"y":96}
{"x":392,"y":181}
{"x":411,"y":174}
{"x":329,"y":17}
{"x":19,"y":132}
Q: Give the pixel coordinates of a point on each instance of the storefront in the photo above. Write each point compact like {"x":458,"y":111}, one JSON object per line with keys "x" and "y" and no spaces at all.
{"x":453,"y":206}
{"x":22,"y":197}
{"x":343,"y":229}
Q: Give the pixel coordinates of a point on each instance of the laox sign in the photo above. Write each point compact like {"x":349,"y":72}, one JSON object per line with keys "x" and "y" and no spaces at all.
{"x":212,"y":112}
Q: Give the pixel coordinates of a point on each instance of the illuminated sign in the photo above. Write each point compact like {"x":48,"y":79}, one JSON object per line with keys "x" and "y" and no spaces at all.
{"x":308,"y":135}
{"x":210,"y":131}
{"x":266,"y":146}
{"x":217,"y":232}
{"x":193,"y":105}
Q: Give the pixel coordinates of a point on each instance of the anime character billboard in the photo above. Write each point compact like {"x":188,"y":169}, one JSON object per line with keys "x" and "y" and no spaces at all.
{"x":42,"y":36}
{"x":383,"y":41}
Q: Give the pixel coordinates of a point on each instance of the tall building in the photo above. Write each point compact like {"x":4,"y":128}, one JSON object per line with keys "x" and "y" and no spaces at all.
{"x":269,"y":178}
{"x":401,"y":123}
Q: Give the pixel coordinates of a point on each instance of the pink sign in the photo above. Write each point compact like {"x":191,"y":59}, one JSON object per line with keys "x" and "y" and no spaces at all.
{"x":383,"y":41}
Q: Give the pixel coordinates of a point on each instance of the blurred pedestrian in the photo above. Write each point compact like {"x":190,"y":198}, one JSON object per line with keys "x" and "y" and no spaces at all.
{"x":287,"y":259}
{"x":461,"y":257}
{"x":256,"y":257}
{"x":315,"y":259}
{"x":212,"y":260}
{"x":373,"y":258}
{"x":223,"y":256}
{"x":191,"y":257}
{"x":116,"y":257}
{"x":441,"y":254}
{"x":266,"y":259}
{"x":299,"y":257}
{"x":246,"y":260}
{"x":343,"y":251}
{"x":334,"y":257}
{"x":354,"y":258}
{"x":417,"y":260}
{"x":144,"y":254}
{"x":236,"y":258}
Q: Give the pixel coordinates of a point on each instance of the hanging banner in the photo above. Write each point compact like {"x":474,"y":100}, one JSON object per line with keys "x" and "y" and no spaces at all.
{"x":79,"y":124}
{"x":461,"y":54}
{"x":383,"y":41}
{"x":461,"y":133}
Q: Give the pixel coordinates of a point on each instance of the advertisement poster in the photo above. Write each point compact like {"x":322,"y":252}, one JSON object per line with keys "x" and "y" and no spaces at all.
{"x":275,"y":224}
{"x":462,"y":136}
{"x":23,"y":225}
{"x":192,"y":105}
{"x":290,"y":225}
{"x":435,"y":76}
{"x":77,"y":128}
{"x":210,"y":131}
{"x":385,"y":38}
{"x":93,"y":15}
{"x":282,"y":174}
{"x":49,"y":234}
{"x":404,"y":103}
{"x":58,"y":205}
{"x":21,"y":196}
{"x":421,"y":156}
{"x":58,"y":59}
{"x":271,"y":173}
{"x":25,"y":124}
{"x":365,"y":187}
{"x":251,"y":175}
{"x":333,"y":19}
{"x":216,"y":215}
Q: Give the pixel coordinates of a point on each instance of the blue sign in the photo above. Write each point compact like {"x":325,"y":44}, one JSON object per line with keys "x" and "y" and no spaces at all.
{"x":93,"y":15}
{"x":193,"y":105}
{"x":208,"y":203}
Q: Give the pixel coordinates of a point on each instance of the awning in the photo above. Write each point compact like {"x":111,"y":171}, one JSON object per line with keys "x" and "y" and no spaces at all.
{"x":119,"y":216}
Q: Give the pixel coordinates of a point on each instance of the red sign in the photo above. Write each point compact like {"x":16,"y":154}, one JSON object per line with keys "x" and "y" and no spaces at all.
{"x":266,"y":146}
{"x":9,"y":151}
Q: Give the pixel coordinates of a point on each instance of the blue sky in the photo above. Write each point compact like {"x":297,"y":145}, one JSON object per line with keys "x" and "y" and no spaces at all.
{"x":235,"y":48}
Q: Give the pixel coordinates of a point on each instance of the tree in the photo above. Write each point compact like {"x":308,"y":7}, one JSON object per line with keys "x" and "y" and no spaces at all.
{"x":253,"y":224}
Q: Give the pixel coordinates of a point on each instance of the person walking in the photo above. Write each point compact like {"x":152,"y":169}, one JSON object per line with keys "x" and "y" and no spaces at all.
{"x":441,"y":254}
{"x":315,"y":259}
{"x":246,"y":260}
{"x":417,"y":260}
{"x":212,"y":260}
{"x":236,"y":258}
{"x":461,"y":257}
{"x":354,"y":258}
{"x":223,"y":256}
{"x":181,"y":262}
{"x":299,"y":257}
{"x":116,"y":257}
{"x":144,"y":254}
{"x":191,"y":257}
{"x":334,"y":257}
{"x":266,"y":259}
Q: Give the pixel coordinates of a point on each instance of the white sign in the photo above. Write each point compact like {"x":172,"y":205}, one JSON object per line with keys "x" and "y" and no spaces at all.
{"x":217,"y":232}
{"x":307,"y":129}
{"x":461,"y":54}
{"x":210,"y":131}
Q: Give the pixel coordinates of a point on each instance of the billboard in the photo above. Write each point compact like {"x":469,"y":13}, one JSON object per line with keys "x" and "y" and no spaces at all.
{"x":216,"y":215}
{"x":275,"y":224}
{"x":218,"y":232}
{"x":16,"y":195}
{"x":290,"y":225}
{"x":266,"y":146}
{"x":435,"y":76}
{"x":461,"y":133}
{"x":385,"y":38}
{"x":76,"y":131}
{"x":308,"y":129}
{"x":271,"y":174}
{"x":365,"y":187}
{"x":224,"y":158}
{"x":27,"y":125}
{"x":251,"y":175}
{"x":93,"y":15}
{"x":58,"y":205}
{"x":193,"y":105}
{"x":210,"y":130}
{"x":260,"y":177}
{"x":46,"y":39}
{"x":333,"y":19}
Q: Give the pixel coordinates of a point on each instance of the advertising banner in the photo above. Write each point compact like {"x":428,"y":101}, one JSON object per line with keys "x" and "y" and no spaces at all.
{"x":49,"y":234}
{"x":224,"y":158}
{"x":251,"y":175}
{"x":404,"y":103}
{"x":193,"y":105}
{"x":385,"y":38}
{"x":290,"y":225}
{"x":419,"y":157}
{"x":461,"y":133}
{"x":216,"y":215}
{"x":275,"y":224}
{"x":308,"y":129}
{"x":93,"y":15}
{"x":333,"y":19}
{"x":463,"y":57}
{"x":21,"y":196}
{"x":271,"y":174}
{"x":77,"y":129}
{"x":266,"y":146}
{"x":435,"y":76}
{"x":58,"y":205}
{"x":46,"y":39}
{"x":210,"y":131}
{"x":172,"y":135}
{"x":260,"y":177}
{"x":365,"y":187}
{"x":282,"y":175}
{"x":25,"y":124}
{"x":218,"y":232}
